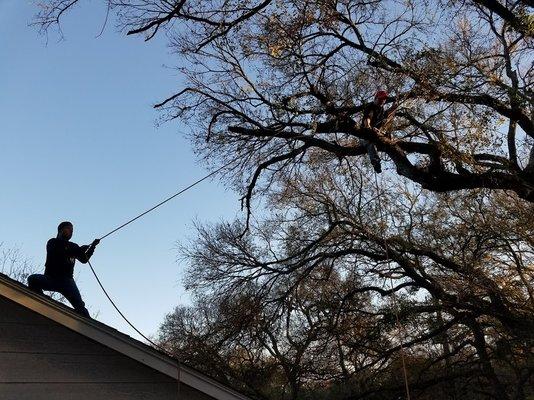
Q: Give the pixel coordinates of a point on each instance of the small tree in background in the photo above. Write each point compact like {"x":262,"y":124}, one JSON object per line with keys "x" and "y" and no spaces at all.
{"x":14,"y":264}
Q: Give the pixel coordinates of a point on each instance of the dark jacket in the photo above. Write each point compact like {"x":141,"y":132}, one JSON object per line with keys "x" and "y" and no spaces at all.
{"x":61,"y":256}
{"x":376,"y":114}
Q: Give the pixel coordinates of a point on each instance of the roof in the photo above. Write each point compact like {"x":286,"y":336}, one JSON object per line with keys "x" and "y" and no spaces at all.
{"x":112,"y":338}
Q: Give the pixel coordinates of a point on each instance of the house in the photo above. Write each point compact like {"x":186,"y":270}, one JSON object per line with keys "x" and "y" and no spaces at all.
{"x":47,"y":351}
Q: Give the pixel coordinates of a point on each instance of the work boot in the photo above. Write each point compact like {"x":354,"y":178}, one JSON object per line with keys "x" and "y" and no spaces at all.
{"x":377,"y":166}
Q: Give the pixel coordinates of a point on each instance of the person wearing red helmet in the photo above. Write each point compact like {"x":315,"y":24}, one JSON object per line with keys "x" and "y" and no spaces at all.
{"x":375,"y":117}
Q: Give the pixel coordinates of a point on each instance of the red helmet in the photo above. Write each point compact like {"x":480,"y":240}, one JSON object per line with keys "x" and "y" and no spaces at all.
{"x":381,"y":95}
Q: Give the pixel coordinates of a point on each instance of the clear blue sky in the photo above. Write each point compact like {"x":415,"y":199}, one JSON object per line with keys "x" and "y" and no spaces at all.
{"x":79,"y":143}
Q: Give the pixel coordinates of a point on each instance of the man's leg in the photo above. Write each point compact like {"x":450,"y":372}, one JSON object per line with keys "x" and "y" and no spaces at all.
{"x":39,"y":282}
{"x":373,"y":156}
{"x":72,"y":294}
{"x":529,"y":169}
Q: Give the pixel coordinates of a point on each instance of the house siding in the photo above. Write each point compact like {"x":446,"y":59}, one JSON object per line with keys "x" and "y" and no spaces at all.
{"x":41,"y":359}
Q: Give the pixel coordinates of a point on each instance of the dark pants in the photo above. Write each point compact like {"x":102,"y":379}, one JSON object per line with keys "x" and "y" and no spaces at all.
{"x":66,"y":286}
{"x":373,"y":155}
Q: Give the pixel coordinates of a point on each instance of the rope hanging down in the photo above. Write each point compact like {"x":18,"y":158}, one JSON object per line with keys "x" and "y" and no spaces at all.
{"x":121,"y":314}
{"x":127,"y":223}
{"x":157,"y":346}
{"x":393,"y":296}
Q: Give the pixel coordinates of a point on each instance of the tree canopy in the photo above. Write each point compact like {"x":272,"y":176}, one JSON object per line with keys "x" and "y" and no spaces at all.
{"x":270,"y":80}
{"x":323,"y":295}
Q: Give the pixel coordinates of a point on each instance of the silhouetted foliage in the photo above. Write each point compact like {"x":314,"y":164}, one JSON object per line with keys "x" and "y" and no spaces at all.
{"x":305,"y":298}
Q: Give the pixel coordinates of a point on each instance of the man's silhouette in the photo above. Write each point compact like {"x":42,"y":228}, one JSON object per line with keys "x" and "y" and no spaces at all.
{"x":375,"y":118}
{"x":59,"y":267}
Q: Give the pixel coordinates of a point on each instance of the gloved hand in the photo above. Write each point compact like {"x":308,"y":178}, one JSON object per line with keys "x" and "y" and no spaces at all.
{"x":95,"y":242}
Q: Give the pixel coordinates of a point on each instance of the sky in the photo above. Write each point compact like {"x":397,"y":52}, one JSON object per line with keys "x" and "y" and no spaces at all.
{"x":79,"y":142}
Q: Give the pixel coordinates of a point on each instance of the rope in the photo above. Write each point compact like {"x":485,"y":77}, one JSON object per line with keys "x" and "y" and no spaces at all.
{"x":129,"y":222}
{"x":405,"y":373}
{"x":157,"y":346}
{"x":166,"y":200}
{"x":122,"y":315}
{"x":393,"y":296}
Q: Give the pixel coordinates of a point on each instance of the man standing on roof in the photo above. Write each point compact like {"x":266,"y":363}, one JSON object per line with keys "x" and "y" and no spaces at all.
{"x":375,"y":118}
{"x":59,"y":267}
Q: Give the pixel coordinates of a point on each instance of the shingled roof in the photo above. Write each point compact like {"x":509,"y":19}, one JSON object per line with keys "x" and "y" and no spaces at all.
{"x":112,"y":338}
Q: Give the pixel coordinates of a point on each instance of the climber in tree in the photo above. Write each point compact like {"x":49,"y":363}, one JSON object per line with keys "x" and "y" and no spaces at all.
{"x":61,"y":254}
{"x":376,"y":118}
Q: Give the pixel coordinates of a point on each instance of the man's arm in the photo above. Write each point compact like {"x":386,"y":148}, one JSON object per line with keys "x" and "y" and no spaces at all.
{"x":367,"y":122}
{"x":366,"y":119}
{"x":390,"y":113}
{"x":85,"y":252}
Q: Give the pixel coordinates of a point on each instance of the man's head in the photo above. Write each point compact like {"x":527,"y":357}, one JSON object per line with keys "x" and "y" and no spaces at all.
{"x":64,"y":230}
{"x":380,"y":97}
